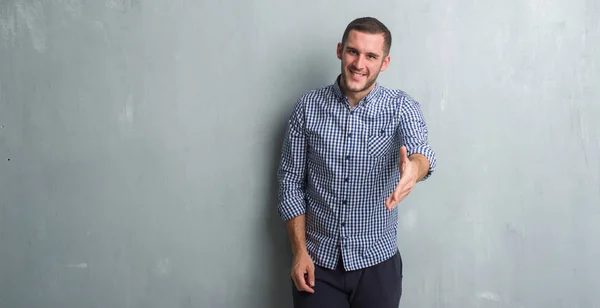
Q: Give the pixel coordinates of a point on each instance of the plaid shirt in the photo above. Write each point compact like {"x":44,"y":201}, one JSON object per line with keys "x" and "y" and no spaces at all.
{"x":339,"y":165}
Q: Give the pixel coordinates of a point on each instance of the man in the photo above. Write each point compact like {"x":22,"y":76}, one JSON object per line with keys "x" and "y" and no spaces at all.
{"x":352,"y":151}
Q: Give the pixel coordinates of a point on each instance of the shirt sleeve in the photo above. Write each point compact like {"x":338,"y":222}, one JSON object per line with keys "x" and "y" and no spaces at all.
{"x":414,"y":133}
{"x":292,"y":169}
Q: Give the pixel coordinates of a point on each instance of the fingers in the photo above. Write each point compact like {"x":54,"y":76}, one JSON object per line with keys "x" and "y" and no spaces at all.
{"x":311,"y":276}
{"x":392,"y":200}
{"x":301,"y":283}
{"x":395,"y":199}
{"x":401,"y":191}
{"x":304,"y":277}
{"x":390,"y":203}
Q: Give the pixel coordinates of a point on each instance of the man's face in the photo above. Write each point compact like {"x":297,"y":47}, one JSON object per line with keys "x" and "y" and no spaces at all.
{"x":363,"y":58}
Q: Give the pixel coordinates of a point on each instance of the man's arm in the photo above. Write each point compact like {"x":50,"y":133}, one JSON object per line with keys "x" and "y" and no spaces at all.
{"x":303,"y":268}
{"x":417,"y":159}
{"x":292,"y":206}
{"x":422,"y":163}
{"x":414,"y":135}
{"x":296,"y":228}
{"x":292,"y":169}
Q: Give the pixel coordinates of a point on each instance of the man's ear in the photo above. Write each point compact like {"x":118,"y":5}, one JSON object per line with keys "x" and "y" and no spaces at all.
{"x":386,"y":62}
{"x":339,"y":50}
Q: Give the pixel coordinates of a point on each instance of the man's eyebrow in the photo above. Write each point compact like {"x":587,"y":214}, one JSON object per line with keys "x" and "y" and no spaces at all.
{"x":372,"y":54}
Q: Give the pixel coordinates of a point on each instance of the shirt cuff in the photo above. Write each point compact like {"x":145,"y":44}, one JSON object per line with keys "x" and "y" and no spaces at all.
{"x":291,"y":208}
{"x":426,"y":151}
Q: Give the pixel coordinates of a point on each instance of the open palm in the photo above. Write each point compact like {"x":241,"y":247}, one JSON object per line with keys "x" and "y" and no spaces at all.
{"x":408,"y":179}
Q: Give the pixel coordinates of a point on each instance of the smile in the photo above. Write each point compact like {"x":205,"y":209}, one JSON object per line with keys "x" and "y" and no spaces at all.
{"x":357,"y":74}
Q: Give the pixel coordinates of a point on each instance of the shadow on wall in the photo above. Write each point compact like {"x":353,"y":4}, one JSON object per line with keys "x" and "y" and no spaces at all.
{"x":314,"y":75}
{"x":279,"y":290}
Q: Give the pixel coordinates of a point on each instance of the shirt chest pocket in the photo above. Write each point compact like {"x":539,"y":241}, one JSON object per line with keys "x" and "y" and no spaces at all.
{"x":381,"y":137}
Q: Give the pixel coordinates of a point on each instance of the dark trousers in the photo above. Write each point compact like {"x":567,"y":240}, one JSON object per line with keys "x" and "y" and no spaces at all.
{"x":379,"y":286}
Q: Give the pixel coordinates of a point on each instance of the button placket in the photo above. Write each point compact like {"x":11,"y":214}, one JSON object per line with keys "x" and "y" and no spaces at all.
{"x":346,"y":177}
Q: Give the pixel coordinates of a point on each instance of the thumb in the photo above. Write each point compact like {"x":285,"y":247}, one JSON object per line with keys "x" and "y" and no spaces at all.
{"x":403,"y":154}
{"x":403,"y":158}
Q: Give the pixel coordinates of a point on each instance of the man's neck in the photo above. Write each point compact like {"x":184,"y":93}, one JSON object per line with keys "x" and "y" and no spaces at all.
{"x":354,"y":97}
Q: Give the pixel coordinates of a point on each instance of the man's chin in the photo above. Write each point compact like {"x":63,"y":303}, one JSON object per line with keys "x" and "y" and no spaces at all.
{"x":352,"y":85}
{"x":355,"y":87}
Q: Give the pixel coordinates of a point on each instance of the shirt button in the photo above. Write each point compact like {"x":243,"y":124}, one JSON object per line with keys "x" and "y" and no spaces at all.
{"x":347,"y":180}
{"x":344,"y":202}
{"x":349,"y":135}
{"x":343,"y":224}
{"x":347,"y":157}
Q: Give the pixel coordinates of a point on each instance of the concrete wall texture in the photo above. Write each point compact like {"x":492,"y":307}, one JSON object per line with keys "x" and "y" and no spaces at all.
{"x":139,"y":142}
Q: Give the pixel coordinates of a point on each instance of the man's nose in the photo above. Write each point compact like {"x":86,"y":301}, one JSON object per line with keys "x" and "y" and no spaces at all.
{"x":359,"y":62}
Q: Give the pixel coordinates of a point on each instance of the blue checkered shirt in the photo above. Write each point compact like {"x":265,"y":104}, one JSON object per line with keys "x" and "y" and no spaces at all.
{"x":339,"y":165}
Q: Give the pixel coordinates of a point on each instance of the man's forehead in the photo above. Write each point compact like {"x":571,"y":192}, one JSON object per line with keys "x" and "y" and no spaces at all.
{"x":366,"y":42}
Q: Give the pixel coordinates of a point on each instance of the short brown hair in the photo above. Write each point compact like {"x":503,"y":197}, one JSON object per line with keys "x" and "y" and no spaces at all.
{"x":369,"y":25}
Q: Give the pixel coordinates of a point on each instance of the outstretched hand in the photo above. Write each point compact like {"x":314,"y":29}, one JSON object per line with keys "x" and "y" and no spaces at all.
{"x":408,"y":178}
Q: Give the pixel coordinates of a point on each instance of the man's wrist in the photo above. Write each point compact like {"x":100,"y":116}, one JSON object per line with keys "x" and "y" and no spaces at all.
{"x":297,"y":232}
{"x":297,"y":251}
{"x":422,"y":164}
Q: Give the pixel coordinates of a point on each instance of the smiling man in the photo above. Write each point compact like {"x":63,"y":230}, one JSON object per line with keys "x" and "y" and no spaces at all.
{"x":352,"y":151}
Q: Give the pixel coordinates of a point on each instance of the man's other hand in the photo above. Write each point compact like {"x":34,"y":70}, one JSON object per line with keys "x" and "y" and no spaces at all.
{"x":303,"y":272}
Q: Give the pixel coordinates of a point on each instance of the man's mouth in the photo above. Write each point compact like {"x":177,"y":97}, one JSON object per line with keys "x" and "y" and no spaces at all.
{"x":357,"y":74}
